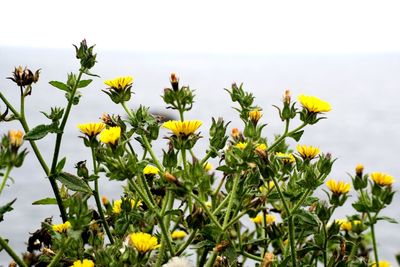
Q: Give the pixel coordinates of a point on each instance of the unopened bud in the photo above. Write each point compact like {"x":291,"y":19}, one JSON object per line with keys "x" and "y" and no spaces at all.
{"x":359,"y":170}
{"x":255,"y":115}
{"x":15,"y":137}
{"x":287,"y":97}
{"x":105,"y":200}
{"x":12,"y":264}
{"x":174,"y":82}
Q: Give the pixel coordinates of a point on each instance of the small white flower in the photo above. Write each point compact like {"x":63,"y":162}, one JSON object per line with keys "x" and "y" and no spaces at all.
{"x":178,"y":262}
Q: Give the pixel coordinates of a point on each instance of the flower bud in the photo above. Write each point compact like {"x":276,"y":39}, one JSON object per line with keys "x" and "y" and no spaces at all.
{"x":359,"y":170}
{"x":255,"y":116}
{"x":287,"y":97}
{"x":174,"y":82}
{"x":16,"y":138}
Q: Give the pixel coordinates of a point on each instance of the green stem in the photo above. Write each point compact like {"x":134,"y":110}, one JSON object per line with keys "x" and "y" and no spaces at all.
{"x":301,"y":201}
{"x":13,"y":255}
{"x":206,"y":157}
{"x":26,"y":129}
{"x":324,"y":252}
{"x":97,"y":198}
{"x":208,"y":212}
{"x":292,"y":240}
{"x":372,"y":224}
{"x":161,"y":253}
{"x":5,"y":177}
{"x":232,"y":197}
{"x":58,"y":146}
{"x":152,"y":154}
{"x":160,"y":218}
{"x":147,"y":189}
{"x":234,"y":220}
{"x":285,"y":134}
{"x":290,"y":222}
{"x":187,"y":243}
{"x":251,"y":256}
{"x":56,"y":258}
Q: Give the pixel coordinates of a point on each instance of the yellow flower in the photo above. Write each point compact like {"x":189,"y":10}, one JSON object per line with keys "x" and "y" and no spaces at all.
{"x":91,"y":129}
{"x":61,"y":228}
{"x":346,"y":225}
{"x":382,"y":179}
{"x":270,"y":219}
{"x":84,"y":263}
{"x":307,"y":152}
{"x":255,"y":115}
{"x":314,"y":104}
{"x":143,"y":242}
{"x":110,"y":135}
{"x":381,"y":264}
{"x":150,"y":170}
{"x":286,"y":157}
{"x":338,"y":188}
{"x":257,"y":219}
{"x":261,"y":146}
{"x":266,"y":187}
{"x":15,"y":137}
{"x":178,"y":234}
{"x":241,"y":145}
{"x":207,"y":166}
{"x":208,"y":204}
{"x":117,"y":205}
{"x":120,"y":83}
{"x":182,"y":128}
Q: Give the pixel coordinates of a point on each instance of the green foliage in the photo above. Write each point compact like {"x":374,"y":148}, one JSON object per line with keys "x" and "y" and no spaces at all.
{"x":256,"y":178}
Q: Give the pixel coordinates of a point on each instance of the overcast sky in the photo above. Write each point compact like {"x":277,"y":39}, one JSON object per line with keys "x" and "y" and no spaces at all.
{"x":216,"y":26}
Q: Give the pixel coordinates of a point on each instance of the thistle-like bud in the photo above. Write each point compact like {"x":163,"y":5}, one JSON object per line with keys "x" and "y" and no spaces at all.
{"x":85,"y":54}
{"x":24,"y":76}
{"x":174,"y":82}
{"x":82,"y":170}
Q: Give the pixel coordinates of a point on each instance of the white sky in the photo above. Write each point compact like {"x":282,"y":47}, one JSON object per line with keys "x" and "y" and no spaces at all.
{"x":219,"y":26}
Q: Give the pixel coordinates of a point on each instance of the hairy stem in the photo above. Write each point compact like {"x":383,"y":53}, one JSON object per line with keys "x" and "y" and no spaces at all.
{"x":13,"y":255}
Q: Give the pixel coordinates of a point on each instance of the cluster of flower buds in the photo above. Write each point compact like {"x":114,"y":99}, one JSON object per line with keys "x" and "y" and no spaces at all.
{"x":177,"y":98}
{"x":86,"y":56}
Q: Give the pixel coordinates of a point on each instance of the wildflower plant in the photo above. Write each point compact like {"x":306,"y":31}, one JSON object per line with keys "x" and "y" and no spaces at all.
{"x":257,"y":204}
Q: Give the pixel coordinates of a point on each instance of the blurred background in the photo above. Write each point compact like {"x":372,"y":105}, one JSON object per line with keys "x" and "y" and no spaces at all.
{"x":345,"y":52}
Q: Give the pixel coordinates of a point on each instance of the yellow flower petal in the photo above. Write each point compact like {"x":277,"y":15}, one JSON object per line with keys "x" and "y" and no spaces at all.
{"x":314,"y":104}
{"x":182,"y":128}
{"x":91,"y":129}
{"x":110,"y":135}
{"x":143,"y":242}
{"x":120,"y":83}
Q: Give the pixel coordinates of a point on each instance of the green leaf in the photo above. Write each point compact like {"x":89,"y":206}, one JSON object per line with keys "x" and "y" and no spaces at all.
{"x":388,"y":219}
{"x":73,"y":182}
{"x":297,"y":135}
{"x":41,"y":131}
{"x":84,"y":83}
{"x":60,"y":85}
{"x":6,"y":208}
{"x":61,"y":164}
{"x":45,"y":201}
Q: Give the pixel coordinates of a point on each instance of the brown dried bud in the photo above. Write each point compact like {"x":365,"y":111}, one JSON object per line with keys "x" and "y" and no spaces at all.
{"x":222,"y":245}
{"x":262,"y":153}
{"x":268,"y":259}
{"x":24,"y":76}
{"x":170,"y":178}
{"x":12,"y":264}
